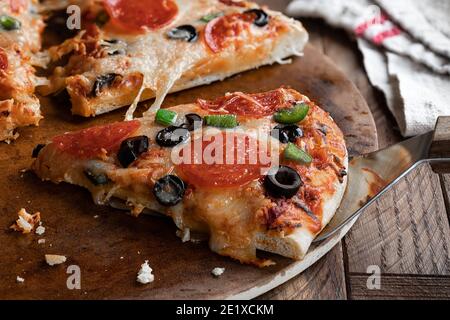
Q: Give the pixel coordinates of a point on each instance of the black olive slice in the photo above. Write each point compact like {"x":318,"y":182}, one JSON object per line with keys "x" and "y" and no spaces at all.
{"x":285,"y":183}
{"x":172,"y":136}
{"x":96,"y":179}
{"x":37,"y":149}
{"x":101,"y":82}
{"x":287,"y":133}
{"x":131,"y":149}
{"x":169,"y":190}
{"x":193,"y":121}
{"x":262,"y":18}
{"x":185,"y":32}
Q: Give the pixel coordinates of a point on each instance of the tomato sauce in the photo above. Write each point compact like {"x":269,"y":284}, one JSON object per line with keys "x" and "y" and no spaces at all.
{"x":233,"y":3}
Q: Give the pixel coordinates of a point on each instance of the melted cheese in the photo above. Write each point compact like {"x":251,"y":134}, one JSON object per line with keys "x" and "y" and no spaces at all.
{"x":168,"y":65}
{"x":235,"y":217}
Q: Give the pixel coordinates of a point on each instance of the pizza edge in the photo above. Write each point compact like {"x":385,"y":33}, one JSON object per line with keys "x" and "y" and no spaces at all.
{"x":296,"y":244}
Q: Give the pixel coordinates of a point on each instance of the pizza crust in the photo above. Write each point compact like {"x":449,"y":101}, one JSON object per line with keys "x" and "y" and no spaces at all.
{"x":296,"y":244}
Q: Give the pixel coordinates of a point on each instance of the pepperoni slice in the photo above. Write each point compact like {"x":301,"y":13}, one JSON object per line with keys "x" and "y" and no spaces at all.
{"x":18,"y":5}
{"x":89,"y":142}
{"x":219,"y":31}
{"x":227,"y":160}
{"x":139,"y":15}
{"x":257,"y":105}
{"x":3,"y":60}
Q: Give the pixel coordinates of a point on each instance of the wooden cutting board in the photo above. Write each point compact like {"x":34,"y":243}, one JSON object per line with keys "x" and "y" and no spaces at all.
{"x":109,"y":246}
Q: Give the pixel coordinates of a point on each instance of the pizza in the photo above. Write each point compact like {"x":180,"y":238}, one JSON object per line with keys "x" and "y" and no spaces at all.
{"x":20,"y":42}
{"x":251,"y":171}
{"x":133,"y":50}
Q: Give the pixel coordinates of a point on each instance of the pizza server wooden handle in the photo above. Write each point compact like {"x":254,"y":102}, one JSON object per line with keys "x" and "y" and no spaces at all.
{"x":440,"y":145}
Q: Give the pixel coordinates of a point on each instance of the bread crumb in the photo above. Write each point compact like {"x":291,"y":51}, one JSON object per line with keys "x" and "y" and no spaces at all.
{"x":96,"y":216}
{"x":217,"y":272}
{"x":41,"y":241}
{"x":184,"y":235}
{"x":145,"y":275}
{"x":26,"y":222}
{"x":54,"y":259}
{"x":40,"y":230}
{"x":20,"y":279}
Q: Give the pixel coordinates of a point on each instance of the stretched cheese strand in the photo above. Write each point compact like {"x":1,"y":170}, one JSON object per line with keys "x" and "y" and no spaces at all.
{"x":133,"y":106}
{"x":166,"y":65}
{"x":165,"y":81}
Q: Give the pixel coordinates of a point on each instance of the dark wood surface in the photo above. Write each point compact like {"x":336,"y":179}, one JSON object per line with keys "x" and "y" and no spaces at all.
{"x":96,"y":245}
{"x":405,"y":233}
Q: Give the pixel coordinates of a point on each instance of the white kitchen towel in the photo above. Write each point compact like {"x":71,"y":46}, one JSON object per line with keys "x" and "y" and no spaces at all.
{"x":411,"y":67}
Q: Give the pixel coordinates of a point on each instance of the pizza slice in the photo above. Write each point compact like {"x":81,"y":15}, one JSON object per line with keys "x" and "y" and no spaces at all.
{"x":134,"y":50}
{"x":253,"y":171}
{"x":20,"y":40}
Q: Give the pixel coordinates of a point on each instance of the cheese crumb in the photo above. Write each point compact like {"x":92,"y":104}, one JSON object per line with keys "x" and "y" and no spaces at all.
{"x":26,"y":222}
{"x":41,"y":241}
{"x":54,"y":259}
{"x":217,"y":272}
{"x":184,"y":235}
{"x":20,"y":279}
{"x":145,"y":275}
{"x":40,"y":230}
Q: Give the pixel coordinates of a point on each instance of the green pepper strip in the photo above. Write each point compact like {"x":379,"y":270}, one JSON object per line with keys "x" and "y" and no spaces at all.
{"x":292,"y":115}
{"x":221,"y":121}
{"x":292,"y":152}
{"x":166,"y":117}
{"x":9,"y":23}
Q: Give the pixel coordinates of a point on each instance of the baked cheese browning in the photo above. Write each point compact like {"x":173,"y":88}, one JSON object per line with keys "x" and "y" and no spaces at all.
{"x":258,"y":105}
{"x":173,"y":55}
{"x":323,"y":140}
{"x":231,"y":202}
{"x":20,"y":40}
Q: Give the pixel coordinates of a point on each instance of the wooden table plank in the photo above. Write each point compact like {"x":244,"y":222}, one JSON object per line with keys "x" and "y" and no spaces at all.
{"x":405,"y":232}
{"x":325,"y":280}
{"x":445,"y":183}
{"x":401,"y":287}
